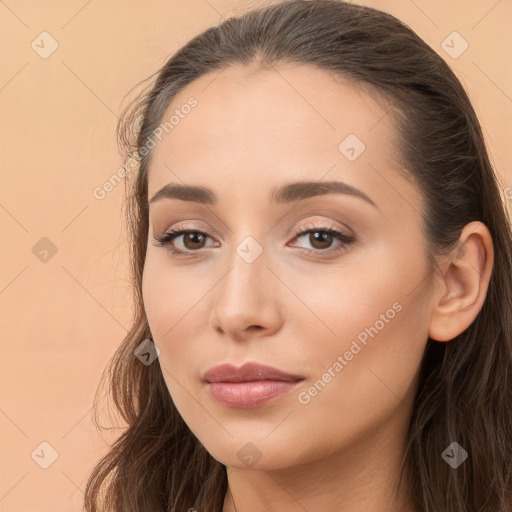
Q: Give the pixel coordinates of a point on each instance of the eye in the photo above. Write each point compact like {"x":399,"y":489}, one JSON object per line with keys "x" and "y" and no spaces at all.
{"x":193,"y":240}
{"x":321,"y":238}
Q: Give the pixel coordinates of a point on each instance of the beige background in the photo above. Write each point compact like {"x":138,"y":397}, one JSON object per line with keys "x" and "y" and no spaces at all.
{"x":62,"y":319}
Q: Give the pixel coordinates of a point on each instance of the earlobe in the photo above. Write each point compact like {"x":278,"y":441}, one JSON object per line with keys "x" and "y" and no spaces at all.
{"x":463,"y":285}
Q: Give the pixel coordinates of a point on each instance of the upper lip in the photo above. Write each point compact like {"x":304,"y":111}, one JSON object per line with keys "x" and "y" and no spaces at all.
{"x":247,"y":373}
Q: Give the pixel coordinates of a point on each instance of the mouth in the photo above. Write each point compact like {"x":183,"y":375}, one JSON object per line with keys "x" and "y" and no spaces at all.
{"x":249,"y":386}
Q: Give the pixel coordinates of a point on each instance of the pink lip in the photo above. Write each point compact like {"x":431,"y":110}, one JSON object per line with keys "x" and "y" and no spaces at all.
{"x":250,"y":386}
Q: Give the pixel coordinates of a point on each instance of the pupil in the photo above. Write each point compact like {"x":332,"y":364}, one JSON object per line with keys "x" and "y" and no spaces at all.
{"x":323,"y":238}
{"x":193,"y":237}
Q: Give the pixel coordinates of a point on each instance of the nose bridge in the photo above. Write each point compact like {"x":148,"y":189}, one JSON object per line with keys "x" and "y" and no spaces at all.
{"x":244,"y":296}
{"x":249,"y":251}
{"x":247,"y":275}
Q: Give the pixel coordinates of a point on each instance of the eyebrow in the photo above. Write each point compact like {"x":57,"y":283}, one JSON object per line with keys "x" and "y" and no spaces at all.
{"x":287,"y":193}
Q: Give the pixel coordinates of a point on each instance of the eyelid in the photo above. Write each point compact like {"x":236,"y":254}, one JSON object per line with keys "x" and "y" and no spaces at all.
{"x":321,"y":225}
{"x":187,"y":226}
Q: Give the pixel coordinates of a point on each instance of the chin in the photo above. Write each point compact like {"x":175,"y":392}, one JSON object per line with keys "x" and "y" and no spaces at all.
{"x":260,"y":453}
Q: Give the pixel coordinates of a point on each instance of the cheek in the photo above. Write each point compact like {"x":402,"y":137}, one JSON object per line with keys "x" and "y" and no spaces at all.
{"x":358,"y":298}
{"x":170,"y":295}
{"x":176,"y":305}
{"x":363,"y":385}
{"x":374,"y":332}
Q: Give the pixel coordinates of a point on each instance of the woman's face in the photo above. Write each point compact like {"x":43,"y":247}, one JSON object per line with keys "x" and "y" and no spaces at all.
{"x":344,"y":316}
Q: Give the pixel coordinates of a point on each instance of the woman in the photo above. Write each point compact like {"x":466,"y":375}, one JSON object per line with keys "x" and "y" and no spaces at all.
{"x":322,"y":267}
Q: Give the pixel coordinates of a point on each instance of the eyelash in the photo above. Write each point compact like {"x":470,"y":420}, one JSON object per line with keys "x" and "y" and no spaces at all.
{"x":166,"y":239}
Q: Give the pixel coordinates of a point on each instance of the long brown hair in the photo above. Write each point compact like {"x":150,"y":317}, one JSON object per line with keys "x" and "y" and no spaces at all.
{"x":465,"y":386}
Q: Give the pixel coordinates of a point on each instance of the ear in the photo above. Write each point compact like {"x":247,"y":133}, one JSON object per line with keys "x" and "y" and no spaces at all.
{"x":463,"y":285}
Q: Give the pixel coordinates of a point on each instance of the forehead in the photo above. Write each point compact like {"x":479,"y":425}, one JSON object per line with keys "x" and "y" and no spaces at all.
{"x":252,"y":128}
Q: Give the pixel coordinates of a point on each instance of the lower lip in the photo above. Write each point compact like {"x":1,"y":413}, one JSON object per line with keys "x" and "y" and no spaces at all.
{"x":244,"y":395}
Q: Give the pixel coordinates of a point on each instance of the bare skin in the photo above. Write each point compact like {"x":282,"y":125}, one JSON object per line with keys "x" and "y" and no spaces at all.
{"x":339,"y":447}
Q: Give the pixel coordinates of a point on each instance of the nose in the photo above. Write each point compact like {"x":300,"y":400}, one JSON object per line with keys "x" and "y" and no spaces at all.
{"x":246,"y":301}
